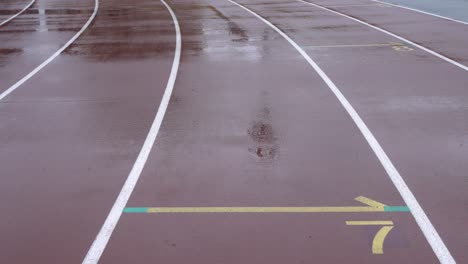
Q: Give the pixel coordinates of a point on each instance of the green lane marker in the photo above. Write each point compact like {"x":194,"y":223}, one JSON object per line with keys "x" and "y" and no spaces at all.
{"x":396,"y":209}
{"x":135,"y":210}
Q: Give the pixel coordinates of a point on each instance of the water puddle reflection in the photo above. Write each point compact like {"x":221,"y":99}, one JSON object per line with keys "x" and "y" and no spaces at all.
{"x":261,"y":132}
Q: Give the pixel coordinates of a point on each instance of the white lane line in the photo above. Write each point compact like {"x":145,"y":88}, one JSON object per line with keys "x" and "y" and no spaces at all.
{"x":391,"y":34}
{"x":420,"y":11}
{"x":102,"y":238}
{"x":421,"y":218}
{"x":17,"y":14}
{"x":51,"y":58}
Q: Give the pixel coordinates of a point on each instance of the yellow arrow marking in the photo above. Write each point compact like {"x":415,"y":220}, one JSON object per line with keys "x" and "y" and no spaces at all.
{"x":369,"y":202}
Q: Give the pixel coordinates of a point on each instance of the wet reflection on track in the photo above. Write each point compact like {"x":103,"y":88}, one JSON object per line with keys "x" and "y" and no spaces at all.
{"x":41,"y":19}
{"x":265,"y":145}
{"x":7,"y":54}
{"x":132,"y":39}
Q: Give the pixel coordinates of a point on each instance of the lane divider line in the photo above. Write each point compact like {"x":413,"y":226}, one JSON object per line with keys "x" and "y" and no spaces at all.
{"x":17,"y":14}
{"x":51,"y":58}
{"x":463,"y":67}
{"x":236,"y":209}
{"x":373,"y":206}
{"x":420,"y":11}
{"x":420,"y":216}
{"x":102,"y":238}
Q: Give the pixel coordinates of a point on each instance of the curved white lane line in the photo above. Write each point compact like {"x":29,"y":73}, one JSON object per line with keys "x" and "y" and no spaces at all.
{"x":420,"y":11}
{"x":421,"y":218}
{"x":102,"y":238}
{"x":51,"y":58}
{"x":391,"y":34}
{"x":17,"y":14}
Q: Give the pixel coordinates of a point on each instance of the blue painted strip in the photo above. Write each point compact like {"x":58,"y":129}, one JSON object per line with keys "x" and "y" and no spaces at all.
{"x":396,"y":209}
{"x":135,"y":210}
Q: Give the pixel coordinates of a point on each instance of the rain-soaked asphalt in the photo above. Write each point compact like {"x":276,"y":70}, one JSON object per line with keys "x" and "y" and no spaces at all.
{"x":249,"y":124}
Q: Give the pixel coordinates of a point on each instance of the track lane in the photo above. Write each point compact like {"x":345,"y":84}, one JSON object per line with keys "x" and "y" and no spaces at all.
{"x":417,"y":211}
{"x":31,"y":41}
{"x":28,"y":76}
{"x":242,"y":131}
{"x":102,"y":238}
{"x":410,"y":100}
{"x":69,"y":136}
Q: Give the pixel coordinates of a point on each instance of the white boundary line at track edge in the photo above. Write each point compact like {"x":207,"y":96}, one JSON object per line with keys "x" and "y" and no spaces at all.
{"x":102,"y":238}
{"x":391,"y":34}
{"x":421,"y":218}
{"x":17,"y":14}
{"x":51,"y":58}
{"x":420,"y":11}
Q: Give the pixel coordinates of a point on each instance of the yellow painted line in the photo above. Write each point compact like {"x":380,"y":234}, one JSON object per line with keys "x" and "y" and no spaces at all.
{"x":327,"y":209}
{"x":369,"y":223}
{"x":377,"y":243}
{"x":358,"y":45}
{"x":371,"y":206}
{"x":370,"y":202}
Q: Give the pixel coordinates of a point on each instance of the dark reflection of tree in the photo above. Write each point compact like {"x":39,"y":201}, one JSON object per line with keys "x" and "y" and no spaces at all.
{"x":127,"y":31}
{"x":43,"y":18}
{"x":8,"y":54}
{"x":11,"y":7}
{"x":234,"y":28}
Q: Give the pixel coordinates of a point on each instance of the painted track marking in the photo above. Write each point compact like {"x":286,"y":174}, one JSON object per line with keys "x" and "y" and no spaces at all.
{"x":391,"y":34}
{"x":102,"y":238}
{"x":378,"y":241}
{"x":372,"y":206}
{"x":420,"y":11}
{"x":366,"y":223}
{"x":17,"y":14}
{"x":51,"y":58}
{"x":379,"y":238}
{"x":234,"y":209}
{"x":420,"y":216}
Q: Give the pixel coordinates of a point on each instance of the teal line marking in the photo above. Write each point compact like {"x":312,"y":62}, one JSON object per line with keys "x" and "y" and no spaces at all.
{"x":135,"y":210}
{"x":396,"y":209}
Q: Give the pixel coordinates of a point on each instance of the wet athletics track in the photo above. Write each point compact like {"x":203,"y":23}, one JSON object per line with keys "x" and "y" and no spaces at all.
{"x":232,"y":131}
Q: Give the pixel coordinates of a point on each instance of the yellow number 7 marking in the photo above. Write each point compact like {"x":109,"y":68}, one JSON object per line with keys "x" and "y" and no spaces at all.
{"x":379,"y":238}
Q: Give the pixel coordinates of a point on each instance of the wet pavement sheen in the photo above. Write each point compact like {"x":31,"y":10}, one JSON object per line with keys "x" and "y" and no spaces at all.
{"x":249,"y":123}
